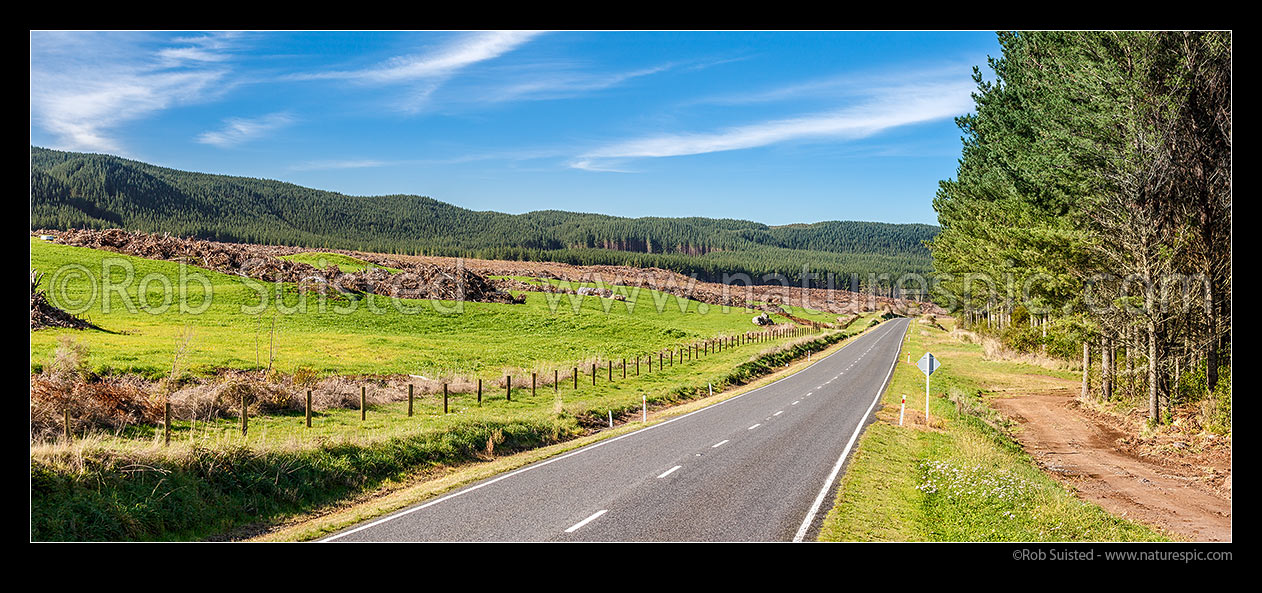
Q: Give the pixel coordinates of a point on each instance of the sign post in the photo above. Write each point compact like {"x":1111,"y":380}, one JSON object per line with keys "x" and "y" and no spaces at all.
{"x":928,"y":364}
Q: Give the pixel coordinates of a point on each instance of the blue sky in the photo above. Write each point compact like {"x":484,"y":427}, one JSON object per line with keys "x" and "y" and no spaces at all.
{"x":777,"y":127}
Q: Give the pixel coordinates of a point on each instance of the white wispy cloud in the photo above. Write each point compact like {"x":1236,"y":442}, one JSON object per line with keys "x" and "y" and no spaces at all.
{"x":535,"y":84}
{"x":850,"y":84}
{"x":890,"y":108}
{"x":238,"y":129}
{"x":426,"y":72}
{"x":346,"y":164}
{"x":193,"y":54}
{"x":520,"y":155}
{"x":558,"y":79}
{"x":84,"y":85}
{"x":599,"y":166}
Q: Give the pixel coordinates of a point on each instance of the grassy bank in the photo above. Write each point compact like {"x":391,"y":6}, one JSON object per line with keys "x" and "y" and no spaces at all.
{"x":961,"y":478}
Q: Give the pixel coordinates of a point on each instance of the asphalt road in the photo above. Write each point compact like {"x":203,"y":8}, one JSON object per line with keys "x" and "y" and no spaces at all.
{"x":761,"y":466}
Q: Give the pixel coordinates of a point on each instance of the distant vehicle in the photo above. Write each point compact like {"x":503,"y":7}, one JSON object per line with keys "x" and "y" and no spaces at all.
{"x":47,"y":238}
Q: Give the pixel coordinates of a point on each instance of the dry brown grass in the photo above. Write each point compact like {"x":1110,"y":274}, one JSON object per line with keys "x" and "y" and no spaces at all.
{"x":993,"y":349}
{"x":66,"y":386}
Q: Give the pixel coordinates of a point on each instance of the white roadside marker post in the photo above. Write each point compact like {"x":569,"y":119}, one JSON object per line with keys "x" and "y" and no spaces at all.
{"x":711,"y":389}
{"x":928,"y":364}
{"x":644,"y":402}
{"x":610,"y":418}
{"x":901,"y":409}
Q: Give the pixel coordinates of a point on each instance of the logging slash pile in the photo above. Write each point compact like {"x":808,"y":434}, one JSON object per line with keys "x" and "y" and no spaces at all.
{"x":415,"y":280}
{"x":45,"y":314}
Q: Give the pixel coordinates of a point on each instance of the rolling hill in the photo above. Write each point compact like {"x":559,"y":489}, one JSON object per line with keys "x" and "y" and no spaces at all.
{"x":77,"y":190}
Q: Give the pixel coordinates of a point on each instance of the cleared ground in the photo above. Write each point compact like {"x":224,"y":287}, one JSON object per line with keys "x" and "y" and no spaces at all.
{"x":1083,"y":453}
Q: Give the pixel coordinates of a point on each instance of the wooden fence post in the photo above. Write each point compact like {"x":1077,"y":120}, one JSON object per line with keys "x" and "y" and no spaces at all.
{"x":575,"y":378}
{"x":166,"y":423}
{"x":65,"y":423}
{"x":410,"y":400}
{"x":624,"y":368}
{"x":444,"y":398}
{"x":611,"y":371}
{"x":556,"y":381}
{"x":533,"y":379}
{"x":245,"y":417}
{"x":308,"y":408}
{"x":479,"y":392}
{"x":363,"y":403}
{"x":593,"y":374}
{"x":508,"y":388}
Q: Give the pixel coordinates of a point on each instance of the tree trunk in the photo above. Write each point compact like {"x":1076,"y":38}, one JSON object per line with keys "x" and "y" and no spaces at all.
{"x":1113,"y":366}
{"x":1130,"y":363}
{"x":1154,"y":402}
{"x":1086,"y":368}
{"x":1211,"y":362}
{"x":1106,"y":367}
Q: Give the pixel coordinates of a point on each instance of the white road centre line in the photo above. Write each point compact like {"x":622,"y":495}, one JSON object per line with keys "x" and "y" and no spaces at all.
{"x":580,"y":524}
{"x":669,"y":471}
{"x":754,"y":426}
{"x":719,"y":444}
{"x":534,"y":466}
{"x":778,"y":413}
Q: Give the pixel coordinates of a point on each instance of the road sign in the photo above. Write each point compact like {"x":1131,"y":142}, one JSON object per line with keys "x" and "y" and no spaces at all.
{"x":928,"y":364}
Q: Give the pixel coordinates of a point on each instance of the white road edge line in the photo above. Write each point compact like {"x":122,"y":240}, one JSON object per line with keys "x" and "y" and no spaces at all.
{"x":778,"y":413}
{"x":754,"y":426}
{"x":719,"y":444}
{"x":576,"y":526}
{"x":669,"y":471}
{"x":828,"y":484}
{"x":579,"y":451}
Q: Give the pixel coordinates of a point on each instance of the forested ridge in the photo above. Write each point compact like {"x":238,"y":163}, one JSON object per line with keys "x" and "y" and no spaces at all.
{"x":1091,"y":212}
{"x":76,"y":190}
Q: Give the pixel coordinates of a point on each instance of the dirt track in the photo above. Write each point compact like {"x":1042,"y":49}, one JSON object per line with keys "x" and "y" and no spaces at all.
{"x":1087,"y":454}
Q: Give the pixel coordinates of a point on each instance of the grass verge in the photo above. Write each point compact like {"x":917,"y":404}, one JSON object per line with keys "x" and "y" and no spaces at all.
{"x":959,"y":477}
